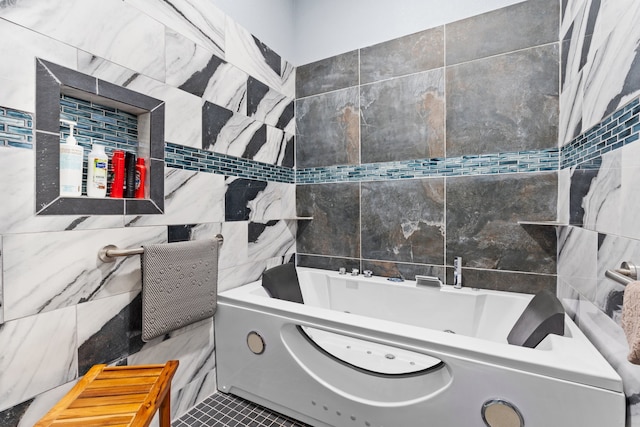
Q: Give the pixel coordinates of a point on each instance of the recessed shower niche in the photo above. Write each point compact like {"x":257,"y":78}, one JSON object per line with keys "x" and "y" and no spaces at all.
{"x":54,"y":81}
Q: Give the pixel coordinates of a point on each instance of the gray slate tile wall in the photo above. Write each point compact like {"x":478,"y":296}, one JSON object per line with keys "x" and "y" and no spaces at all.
{"x":494,"y":91}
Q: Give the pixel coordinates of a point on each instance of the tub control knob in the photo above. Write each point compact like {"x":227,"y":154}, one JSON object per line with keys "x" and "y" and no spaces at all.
{"x":354,"y":271}
{"x":342,"y":270}
{"x":367,"y":273}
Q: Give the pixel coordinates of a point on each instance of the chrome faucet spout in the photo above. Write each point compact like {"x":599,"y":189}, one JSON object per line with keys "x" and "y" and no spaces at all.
{"x":457,"y":272}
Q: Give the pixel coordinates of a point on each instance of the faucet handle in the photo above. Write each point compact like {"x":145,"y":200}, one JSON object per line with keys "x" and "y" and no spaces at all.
{"x":354,"y":271}
{"x":367,"y":273}
{"x":342,"y":270}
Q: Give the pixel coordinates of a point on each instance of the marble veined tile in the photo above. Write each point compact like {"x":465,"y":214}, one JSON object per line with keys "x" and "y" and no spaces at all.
{"x":196,"y":391}
{"x":251,"y":200}
{"x":199,"y":20}
{"x":202,"y":73}
{"x":190,"y":198}
{"x":274,"y":202}
{"x":193,"y":346}
{"x":226,"y":132}
{"x":612,"y":251}
{"x":271,"y":239}
{"x":251,"y":55}
{"x":17,"y":68}
{"x":613,"y":62}
{"x":17,"y":213}
{"x":577,"y":259}
{"x":630,"y":191}
{"x":48,"y":271}
{"x":239,"y":275}
{"x":111,"y":29}
{"x":278,"y":150}
{"x":29,"y":413}
{"x":38,"y":354}
{"x":116,"y":320}
{"x":268,"y":105}
{"x":602,"y":204}
{"x":183,"y":118}
{"x":233,"y":250}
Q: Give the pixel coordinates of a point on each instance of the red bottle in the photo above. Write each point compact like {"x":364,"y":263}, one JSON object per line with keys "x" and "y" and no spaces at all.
{"x":141,"y":174}
{"x":117,"y":183}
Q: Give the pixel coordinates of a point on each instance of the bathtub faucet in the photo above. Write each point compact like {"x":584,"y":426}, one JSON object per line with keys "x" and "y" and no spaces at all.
{"x":457,"y":272}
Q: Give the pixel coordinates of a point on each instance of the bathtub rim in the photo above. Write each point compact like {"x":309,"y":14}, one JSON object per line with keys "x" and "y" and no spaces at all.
{"x":571,"y":358}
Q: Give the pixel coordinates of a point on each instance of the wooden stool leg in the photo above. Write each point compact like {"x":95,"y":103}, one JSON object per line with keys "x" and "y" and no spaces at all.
{"x":165,"y":409}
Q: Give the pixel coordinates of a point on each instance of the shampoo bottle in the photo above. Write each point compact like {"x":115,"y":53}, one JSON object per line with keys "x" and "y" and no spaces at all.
{"x":97,"y":164}
{"x":70,"y":164}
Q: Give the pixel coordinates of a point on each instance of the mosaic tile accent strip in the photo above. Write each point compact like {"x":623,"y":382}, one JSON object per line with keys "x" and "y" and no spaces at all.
{"x":226,"y":410}
{"x":616,"y":131}
{"x":99,"y":124}
{"x":194,"y":159}
{"x":16,"y":128}
{"x":485,"y":164}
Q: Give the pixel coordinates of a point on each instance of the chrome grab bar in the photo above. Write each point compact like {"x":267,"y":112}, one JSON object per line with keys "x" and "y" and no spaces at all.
{"x":109,"y":253}
{"x":627,"y":273}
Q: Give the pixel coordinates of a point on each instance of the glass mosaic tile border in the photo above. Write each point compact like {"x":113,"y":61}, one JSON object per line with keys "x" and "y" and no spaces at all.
{"x":619,"y":129}
{"x":226,"y":410}
{"x":487,"y":164}
{"x":16,"y":128}
{"x":99,"y":124}
{"x":189,"y":158}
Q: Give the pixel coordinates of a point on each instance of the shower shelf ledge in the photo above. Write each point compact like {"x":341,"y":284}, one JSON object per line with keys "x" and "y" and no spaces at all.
{"x":548,"y":223}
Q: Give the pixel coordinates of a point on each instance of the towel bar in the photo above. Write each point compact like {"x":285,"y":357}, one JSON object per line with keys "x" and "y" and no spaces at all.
{"x":624,"y":275}
{"x":109,"y":253}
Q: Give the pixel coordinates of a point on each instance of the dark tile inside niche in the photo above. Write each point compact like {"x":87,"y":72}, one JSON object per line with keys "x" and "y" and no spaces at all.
{"x":523,"y":25}
{"x":403,"y":118}
{"x":403,"y":220}
{"x":405,"y":55}
{"x":328,"y":129}
{"x":335,"y":228}
{"x":337,"y":72}
{"x":504,"y":103}
{"x":482,"y":221}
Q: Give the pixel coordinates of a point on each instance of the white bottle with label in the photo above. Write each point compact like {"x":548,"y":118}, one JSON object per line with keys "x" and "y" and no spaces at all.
{"x":70,"y":164}
{"x":97,"y":168}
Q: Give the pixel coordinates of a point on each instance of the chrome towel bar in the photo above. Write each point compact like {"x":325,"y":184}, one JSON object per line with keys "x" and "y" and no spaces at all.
{"x":109,"y":253}
{"x":627,"y":273}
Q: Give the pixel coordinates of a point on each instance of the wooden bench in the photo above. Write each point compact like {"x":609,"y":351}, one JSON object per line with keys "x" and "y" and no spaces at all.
{"x":117,"y":397}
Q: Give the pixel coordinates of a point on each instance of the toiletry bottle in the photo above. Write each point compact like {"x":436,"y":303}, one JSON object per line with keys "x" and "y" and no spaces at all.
{"x":71,"y":155}
{"x":130,"y":175}
{"x":141,"y":174}
{"x":97,"y":163}
{"x":117,"y":181}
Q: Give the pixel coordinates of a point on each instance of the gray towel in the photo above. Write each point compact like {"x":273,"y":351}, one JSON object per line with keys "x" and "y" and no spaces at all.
{"x":179,"y":285}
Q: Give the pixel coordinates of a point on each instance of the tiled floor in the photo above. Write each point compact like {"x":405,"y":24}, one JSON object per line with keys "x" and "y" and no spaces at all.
{"x":226,"y":410}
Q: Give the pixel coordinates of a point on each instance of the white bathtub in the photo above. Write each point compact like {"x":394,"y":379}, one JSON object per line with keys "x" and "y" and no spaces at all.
{"x":368,"y":352}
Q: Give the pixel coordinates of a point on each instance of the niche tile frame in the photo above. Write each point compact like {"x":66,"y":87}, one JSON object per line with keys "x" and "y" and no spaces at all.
{"x":52,"y":80}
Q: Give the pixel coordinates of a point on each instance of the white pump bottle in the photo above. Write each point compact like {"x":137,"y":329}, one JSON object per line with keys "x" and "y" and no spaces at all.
{"x":71,"y":155}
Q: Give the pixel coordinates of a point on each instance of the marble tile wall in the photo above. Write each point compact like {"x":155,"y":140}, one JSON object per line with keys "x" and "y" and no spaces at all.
{"x":61,"y":309}
{"x":435,"y":145}
{"x":598,"y":193}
